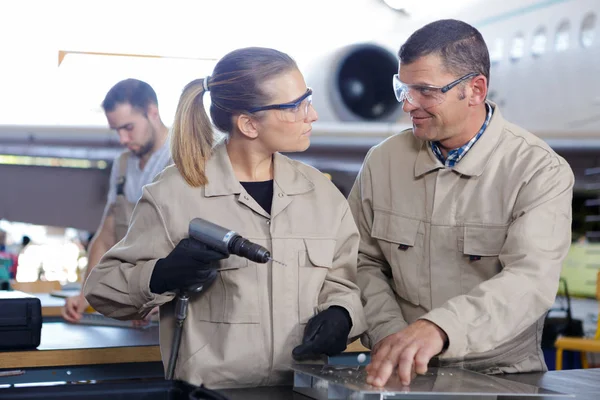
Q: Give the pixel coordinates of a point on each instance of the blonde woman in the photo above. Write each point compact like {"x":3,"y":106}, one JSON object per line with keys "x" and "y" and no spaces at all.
{"x":243,"y":328}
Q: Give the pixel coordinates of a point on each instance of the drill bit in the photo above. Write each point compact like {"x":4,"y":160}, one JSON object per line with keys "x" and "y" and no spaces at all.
{"x":275,"y":261}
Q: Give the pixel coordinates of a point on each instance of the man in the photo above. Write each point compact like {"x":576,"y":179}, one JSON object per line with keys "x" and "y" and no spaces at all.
{"x":465,"y":221}
{"x":131,"y":108}
{"x":8,"y":263}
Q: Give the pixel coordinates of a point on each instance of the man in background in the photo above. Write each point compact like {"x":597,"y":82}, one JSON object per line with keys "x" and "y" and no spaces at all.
{"x":131,"y":109}
{"x":8,"y":263}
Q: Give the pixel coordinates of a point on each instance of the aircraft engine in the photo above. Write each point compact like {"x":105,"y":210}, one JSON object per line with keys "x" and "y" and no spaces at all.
{"x":354,"y":84}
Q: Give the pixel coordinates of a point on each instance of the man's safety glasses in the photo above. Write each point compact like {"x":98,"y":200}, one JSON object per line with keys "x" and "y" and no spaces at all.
{"x":293,"y":111}
{"x":424,"y":96}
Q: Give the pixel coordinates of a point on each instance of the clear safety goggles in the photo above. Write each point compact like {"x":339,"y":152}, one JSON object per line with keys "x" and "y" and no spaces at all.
{"x":293,"y":111}
{"x":424,"y":96}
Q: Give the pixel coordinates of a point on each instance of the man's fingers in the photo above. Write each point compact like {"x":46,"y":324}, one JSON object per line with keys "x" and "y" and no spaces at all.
{"x":71,"y":315}
{"x":375,"y":349}
{"x":140,"y":323}
{"x":384,"y":362}
{"x":81,"y":306}
{"x":382,"y":375}
{"x":381,"y":353}
{"x":64,"y":314}
{"x":372,"y":368}
{"x":405,"y":365}
{"x":75,"y":316}
{"x":377,"y":361}
{"x":422,"y":358}
{"x":69,"y":311}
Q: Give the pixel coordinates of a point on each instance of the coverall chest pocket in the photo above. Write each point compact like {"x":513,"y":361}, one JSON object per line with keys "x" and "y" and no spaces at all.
{"x":233,"y":297}
{"x":481,"y":246}
{"x":402,"y":244}
{"x":315,"y":260}
{"x":122,"y":211}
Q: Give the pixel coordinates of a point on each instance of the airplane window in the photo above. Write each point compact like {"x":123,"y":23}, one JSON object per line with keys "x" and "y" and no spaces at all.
{"x":518,"y":47}
{"x":497,"y":50}
{"x":561,"y":41}
{"x":538,"y":46}
{"x":588,"y":26}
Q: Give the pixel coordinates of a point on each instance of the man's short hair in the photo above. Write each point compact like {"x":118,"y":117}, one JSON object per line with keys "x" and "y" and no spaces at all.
{"x":460,"y":46}
{"x":25,"y":240}
{"x":131,"y":91}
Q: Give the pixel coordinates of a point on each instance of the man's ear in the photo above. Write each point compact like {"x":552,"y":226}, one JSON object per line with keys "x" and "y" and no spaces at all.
{"x":152,"y":113}
{"x":247,"y":125}
{"x":478,"y":90}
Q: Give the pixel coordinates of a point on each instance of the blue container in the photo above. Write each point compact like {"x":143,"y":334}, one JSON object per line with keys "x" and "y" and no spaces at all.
{"x":571,"y":359}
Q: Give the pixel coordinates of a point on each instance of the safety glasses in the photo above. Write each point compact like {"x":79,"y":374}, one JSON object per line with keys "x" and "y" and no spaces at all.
{"x":293,"y":111}
{"x":424,"y":96}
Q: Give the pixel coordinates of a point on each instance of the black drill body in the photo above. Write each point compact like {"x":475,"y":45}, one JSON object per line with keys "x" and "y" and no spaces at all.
{"x":226,"y":241}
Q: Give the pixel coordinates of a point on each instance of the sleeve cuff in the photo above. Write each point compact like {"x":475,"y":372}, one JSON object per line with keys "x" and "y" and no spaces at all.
{"x":359,"y":324}
{"x":449,"y":323}
{"x":378,"y":333}
{"x":139,"y":288}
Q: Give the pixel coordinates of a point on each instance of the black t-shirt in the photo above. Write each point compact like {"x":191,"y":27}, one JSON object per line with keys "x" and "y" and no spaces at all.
{"x":262,"y":192}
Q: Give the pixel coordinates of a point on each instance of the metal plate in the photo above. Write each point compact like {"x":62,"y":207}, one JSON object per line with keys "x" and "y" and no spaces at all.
{"x":349,"y":382}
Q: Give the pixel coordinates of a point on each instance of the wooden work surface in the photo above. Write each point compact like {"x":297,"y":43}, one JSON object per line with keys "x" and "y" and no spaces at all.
{"x":65,"y":344}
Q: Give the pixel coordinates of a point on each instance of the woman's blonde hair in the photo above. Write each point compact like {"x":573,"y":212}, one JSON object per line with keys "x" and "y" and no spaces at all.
{"x":192,"y":136}
{"x":235,"y":87}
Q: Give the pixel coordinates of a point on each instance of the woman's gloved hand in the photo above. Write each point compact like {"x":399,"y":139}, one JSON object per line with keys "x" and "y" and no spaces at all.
{"x":191,"y":262}
{"x":326,"y":333}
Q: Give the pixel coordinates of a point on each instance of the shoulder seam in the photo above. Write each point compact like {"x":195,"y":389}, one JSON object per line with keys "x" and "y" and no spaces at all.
{"x":549,"y":151}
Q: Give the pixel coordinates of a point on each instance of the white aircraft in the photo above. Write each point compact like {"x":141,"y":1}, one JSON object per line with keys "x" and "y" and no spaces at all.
{"x":545,"y":58}
{"x":545,"y":54}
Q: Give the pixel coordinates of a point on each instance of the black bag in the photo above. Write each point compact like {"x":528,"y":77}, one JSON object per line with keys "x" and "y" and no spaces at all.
{"x":20,"y":320}
{"x":557,"y":326}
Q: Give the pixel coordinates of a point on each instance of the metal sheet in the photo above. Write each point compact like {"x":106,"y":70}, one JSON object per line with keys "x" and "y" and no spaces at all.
{"x":349,"y":382}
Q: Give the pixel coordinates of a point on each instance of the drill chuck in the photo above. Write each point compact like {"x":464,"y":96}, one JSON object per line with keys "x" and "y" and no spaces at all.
{"x":252,"y":251}
{"x":227,"y":241}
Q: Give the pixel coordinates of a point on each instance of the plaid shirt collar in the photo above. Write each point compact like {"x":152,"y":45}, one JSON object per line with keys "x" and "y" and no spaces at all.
{"x":455,"y":155}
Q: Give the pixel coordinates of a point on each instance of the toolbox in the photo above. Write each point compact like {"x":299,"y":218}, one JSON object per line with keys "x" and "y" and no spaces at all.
{"x":20,"y":320}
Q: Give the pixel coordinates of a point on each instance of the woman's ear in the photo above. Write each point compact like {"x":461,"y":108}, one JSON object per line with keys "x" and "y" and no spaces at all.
{"x":247,"y":125}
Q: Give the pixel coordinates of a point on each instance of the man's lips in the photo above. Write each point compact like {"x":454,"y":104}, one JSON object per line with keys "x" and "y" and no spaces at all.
{"x":419,"y":118}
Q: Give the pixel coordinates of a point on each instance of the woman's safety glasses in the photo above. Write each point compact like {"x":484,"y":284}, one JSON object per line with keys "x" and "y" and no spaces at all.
{"x":424,"y":96}
{"x":293,"y":111}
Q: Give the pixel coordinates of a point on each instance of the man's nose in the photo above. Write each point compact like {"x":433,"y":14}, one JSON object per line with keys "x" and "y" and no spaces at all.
{"x":407,"y":107}
{"x":123,"y":138}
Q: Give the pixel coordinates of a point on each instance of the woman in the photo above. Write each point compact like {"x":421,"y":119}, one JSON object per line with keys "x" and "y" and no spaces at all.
{"x":242,"y":328}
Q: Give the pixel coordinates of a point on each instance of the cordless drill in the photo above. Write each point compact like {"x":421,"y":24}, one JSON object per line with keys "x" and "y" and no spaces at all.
{"x":220,"y":239}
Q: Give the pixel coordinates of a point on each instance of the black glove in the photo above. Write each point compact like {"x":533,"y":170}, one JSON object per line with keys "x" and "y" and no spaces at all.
{"x":191,"y":262}
{"x":326,"y":333}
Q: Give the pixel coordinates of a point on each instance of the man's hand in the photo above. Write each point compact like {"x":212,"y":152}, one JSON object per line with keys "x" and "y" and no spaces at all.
{"x":74,"y":308}
{"x":410,"y":350}
{"x":147,"y":319}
